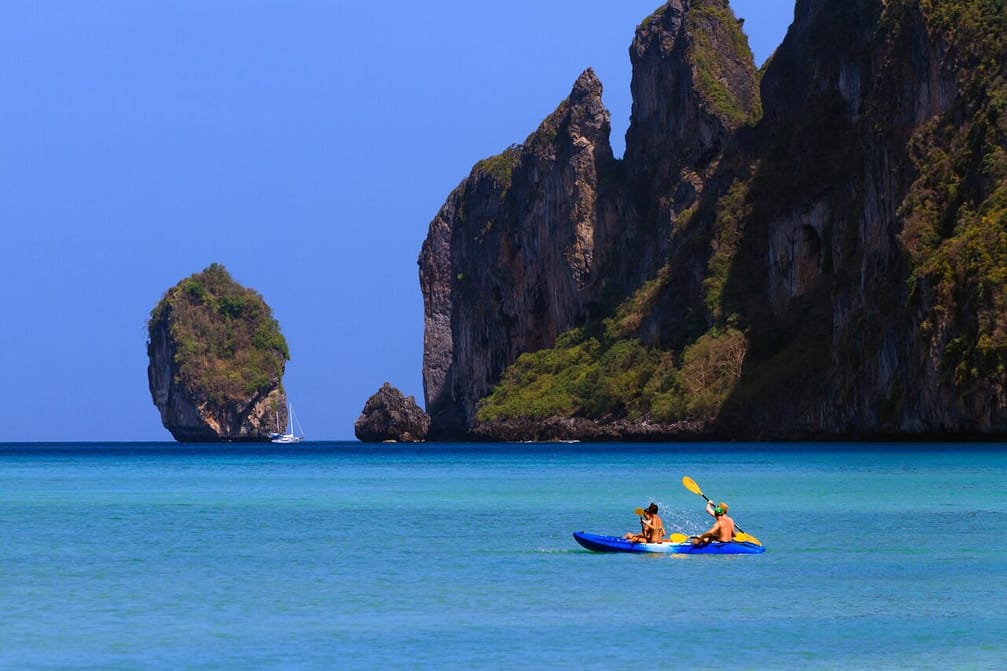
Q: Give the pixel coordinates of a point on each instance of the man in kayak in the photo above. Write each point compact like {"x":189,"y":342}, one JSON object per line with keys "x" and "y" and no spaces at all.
{"x":722,"y":530}
{"x":651,"y":526}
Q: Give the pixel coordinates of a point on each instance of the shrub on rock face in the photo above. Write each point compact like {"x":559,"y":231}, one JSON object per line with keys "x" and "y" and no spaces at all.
{"x":390,"y":416}
{"x":229,"y":345}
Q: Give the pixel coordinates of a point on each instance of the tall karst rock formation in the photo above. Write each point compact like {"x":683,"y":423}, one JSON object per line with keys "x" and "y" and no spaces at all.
{"x":216,"y":361}
{"x":512,"y":259}
{"x":824,"y":257}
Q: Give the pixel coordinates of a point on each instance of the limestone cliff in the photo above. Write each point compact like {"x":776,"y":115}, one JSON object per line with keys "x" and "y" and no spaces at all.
{"x":820,"y":253}
{"x":216,"y":361}
{"x":555,"y":231}
{"x":694,"y":84}
{"x":834,"y":303}
{"x":510,"y":261}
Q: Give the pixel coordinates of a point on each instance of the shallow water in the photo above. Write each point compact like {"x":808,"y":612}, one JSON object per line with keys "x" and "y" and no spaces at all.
{"x":338,"y":555}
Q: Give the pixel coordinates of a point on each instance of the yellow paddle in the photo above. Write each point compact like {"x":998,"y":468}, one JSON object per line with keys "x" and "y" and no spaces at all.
{"x":746,"y":538}
{"x":740,"y":535}
{"x":639,"y":513}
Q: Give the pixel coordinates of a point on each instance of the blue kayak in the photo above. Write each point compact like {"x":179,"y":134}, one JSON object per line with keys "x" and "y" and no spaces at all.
{"x":600,"y":543}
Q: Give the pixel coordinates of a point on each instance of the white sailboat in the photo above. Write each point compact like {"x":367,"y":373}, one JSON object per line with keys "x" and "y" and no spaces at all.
{"x":289,"y":436}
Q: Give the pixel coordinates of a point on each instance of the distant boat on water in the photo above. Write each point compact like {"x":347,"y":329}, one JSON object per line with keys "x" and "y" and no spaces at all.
{"x":289,"y":436}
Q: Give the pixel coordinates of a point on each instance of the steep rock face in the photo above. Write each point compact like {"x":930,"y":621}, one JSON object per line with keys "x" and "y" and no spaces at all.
{"x":190,"y":418}
{"x":842,"y":101}
{"x":388,"y":415}
{"x":845,"y":252}
{"x":209,"y":381}
{"x":817,"y":257}
{"x":954,"y":58}
{"x":510,"y":260}
{"x":553,"y":232}
{"x":694,"y":85}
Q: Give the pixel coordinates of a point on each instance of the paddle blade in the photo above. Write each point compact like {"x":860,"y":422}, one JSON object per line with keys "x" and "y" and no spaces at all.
{"x":747,"y":538}
{"x":678,"y":538}
{"x":638,"y":511}
{"x":691,"y":485}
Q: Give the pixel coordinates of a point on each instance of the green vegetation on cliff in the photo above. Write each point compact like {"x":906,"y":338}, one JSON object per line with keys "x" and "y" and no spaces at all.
{"x":605,"y":370}
{"x":716,"y":39}
{"x":955,"y":231}
{"x":228,"y":347}
{"x":608,"y":376}
{"x":501,"y":166}
{"x":951,"y":248}
{"x":580,"y":377}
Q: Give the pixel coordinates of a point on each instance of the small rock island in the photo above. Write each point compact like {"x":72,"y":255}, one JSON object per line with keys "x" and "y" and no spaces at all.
{"x":217,"y":358}
{"x":389,"y":416}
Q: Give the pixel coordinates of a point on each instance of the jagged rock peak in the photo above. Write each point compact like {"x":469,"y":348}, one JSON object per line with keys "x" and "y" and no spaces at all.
{"x":389,"y":416}
{"x":694,"y":81}
{"x":581,"y":121}
{"x":706,"y":36}
{"x":660,"y":30}
{"x":586,"y":88}
{"x":510,"y":259}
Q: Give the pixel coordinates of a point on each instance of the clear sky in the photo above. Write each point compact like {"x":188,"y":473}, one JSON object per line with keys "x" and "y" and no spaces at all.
{"x":303,"y":144}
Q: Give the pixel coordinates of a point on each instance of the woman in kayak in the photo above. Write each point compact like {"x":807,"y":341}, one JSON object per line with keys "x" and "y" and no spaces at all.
{"x":722,"y":530}
{"x":651,"y":526}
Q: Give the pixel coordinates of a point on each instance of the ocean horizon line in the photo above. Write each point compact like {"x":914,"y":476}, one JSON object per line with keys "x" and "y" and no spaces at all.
{"x":352,"y":445}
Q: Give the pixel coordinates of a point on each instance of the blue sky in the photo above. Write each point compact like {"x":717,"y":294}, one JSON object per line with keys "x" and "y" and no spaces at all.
{"x":305,"y":145}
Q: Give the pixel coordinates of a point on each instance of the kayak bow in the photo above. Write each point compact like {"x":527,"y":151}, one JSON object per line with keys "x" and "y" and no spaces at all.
{"x":602,"y":543}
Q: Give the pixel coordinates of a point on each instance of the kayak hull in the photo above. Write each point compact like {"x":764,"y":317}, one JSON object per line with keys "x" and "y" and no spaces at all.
{"x":602,"y":543}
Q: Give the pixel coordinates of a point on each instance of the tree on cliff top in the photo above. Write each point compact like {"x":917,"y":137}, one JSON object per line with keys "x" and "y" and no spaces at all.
{"x":228,"y":346}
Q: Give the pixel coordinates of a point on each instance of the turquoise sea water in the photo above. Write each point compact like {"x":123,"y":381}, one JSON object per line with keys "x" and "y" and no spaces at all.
{"x":343,"y":556}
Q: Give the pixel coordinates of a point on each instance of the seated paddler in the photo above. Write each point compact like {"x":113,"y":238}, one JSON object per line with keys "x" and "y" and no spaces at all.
{"x":722,"y":529}
{"x":651,"y":527}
